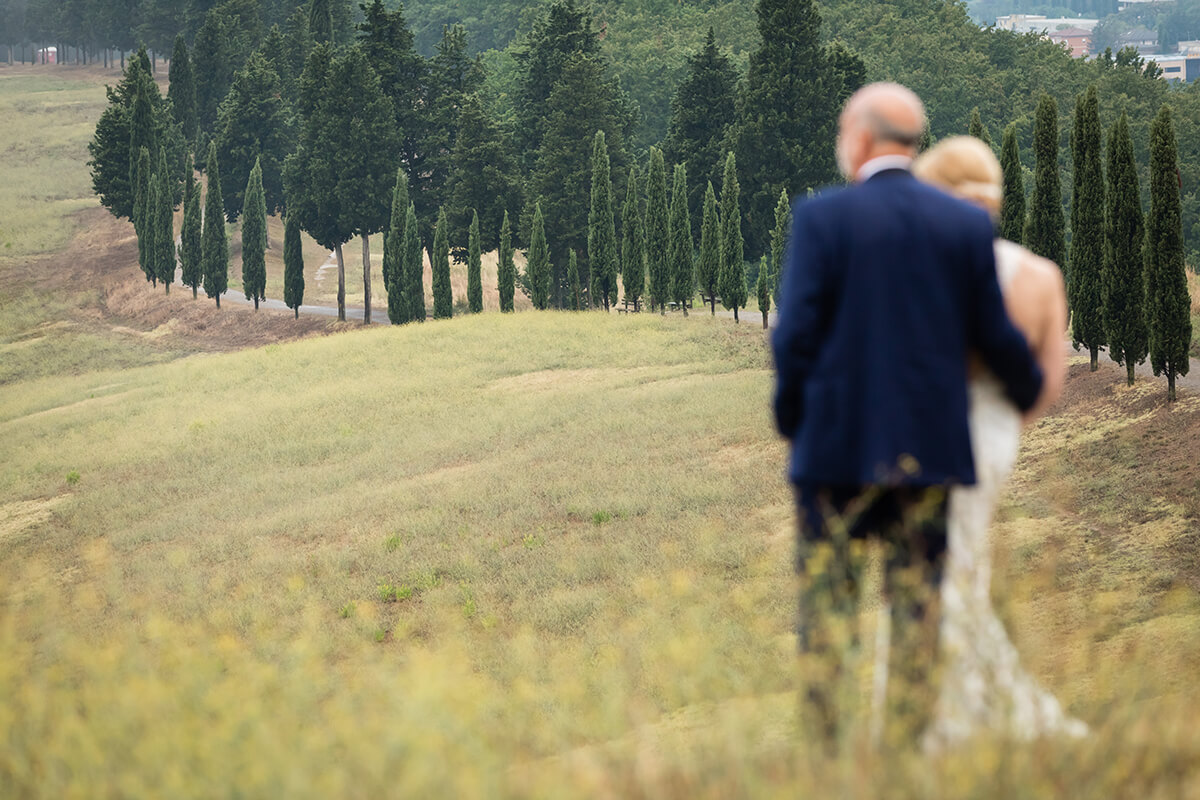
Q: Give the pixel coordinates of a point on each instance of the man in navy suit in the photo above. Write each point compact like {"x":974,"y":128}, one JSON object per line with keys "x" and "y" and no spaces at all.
{"x":889,"y":286}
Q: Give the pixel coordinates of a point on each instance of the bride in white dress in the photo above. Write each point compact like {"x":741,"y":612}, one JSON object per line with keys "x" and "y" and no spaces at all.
{"x":983,"y":688}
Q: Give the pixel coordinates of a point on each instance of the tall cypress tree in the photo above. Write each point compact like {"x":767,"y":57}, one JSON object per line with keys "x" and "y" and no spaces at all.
{"x":574,"y":291}
{"x":474,"y":268}
{"x":732,"y":280}
{"x":151,"y":223}
{"x":602,"y":235}
{"x":164,"y":225}
{"x":443,"y":297}
{"x":582,"y":102}
{"x":1012,"y":208}
{"x":766,"y":278}
{"x":388,"y":42}
{"x":978,"y":129}
{"x":393,"y":243}
{"x":704,"y":106}
{"x":214,"y":243}
{"x":113,"y":163}
{"x":414,"y":269}
{"x":1044,"y":233}
{"x":1123,"y":282}
{"x":182,"y":89}
{"x":254,"y":239}
{"x":633,"y":250}
{"x":537,"y":266}
{"x":506,"y":271}
{"x":788,"y":110}
{"x":293,"y":266}
{"x":142,"y":214}
{"x":1168,"y":304}
{"x":683,"y":279}
{"x":708,"y":266}
{"x":254,"y":124}
{"x":657,"y":232}
{"x":1087,"y":228}
{"x":779,"y":234}
{"x":483,"y":176}
{"x":142,"y":131}
{"x":339,"y":180}
{"x":189,"y":239}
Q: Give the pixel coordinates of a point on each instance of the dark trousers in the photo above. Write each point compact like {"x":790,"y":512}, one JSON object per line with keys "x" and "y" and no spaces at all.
{"x":836,"y":523}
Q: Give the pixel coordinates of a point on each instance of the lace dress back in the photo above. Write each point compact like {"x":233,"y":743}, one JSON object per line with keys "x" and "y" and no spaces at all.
{"x":984,"y":688}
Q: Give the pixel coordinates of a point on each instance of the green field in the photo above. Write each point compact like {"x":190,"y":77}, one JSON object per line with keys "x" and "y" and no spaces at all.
{"x":541,"y":554}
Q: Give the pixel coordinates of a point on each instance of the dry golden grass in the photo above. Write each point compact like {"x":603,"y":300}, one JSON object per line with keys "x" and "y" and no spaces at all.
{"x":534,"y":554}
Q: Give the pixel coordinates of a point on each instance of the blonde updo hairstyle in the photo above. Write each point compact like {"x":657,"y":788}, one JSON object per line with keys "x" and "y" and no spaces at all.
{"x":965,"y":167}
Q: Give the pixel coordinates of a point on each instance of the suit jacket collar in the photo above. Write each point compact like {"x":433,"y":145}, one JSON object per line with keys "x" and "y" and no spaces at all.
{"x":882,"y":164}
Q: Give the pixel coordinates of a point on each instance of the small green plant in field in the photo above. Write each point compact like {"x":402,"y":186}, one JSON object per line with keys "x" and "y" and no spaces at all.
{"x":392,"y":543}
{"x":468,"y":602}
{"x":601,"y":517}
{"x":404,"y":592}
{"x":72,"y":478}
{"x":387,"y":592}
{"x":531,"y":541}
{"x":429,"y":579}
{"x":347,"y":611}
{"x":380,"y":634}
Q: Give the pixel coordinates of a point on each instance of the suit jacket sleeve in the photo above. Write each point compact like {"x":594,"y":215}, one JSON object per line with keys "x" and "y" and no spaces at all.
{"x":804,"y":304}
{"x":1004,"y":348}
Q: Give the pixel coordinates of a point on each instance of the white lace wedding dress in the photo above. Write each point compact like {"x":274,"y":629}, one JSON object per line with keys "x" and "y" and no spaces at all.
{"x":983,"y":687}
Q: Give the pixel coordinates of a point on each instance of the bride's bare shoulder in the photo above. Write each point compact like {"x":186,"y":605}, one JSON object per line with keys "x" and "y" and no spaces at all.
{"x":1036,"y":271}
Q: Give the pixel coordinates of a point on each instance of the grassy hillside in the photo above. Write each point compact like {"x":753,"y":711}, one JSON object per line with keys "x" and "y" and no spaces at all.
{"x":536,"y":553}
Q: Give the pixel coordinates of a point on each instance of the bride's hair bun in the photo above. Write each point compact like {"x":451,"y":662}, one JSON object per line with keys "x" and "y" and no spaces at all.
{"x":965,"y":167}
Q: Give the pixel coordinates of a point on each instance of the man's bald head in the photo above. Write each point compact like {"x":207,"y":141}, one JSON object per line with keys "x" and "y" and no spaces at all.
{"x":879,"y":119}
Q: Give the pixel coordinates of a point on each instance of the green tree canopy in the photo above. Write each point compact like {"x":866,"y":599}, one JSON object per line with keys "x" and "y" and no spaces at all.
{"x":254,"y":125}
{"x":182,"y":89}
{"x":703,"y":108}
{"x":787,"y":116}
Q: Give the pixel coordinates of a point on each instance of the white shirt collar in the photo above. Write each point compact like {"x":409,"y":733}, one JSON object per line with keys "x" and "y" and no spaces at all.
{"x":881,"y":163}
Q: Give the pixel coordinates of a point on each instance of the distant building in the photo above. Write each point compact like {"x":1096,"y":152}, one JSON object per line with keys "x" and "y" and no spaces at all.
{"x":1141,"y":38}
{"x":1037,"y":23}
{"x":47,"y":55}
{"x":1077,"y":40}
{"x":1183,"y":66}
{"x":1124,"y":4}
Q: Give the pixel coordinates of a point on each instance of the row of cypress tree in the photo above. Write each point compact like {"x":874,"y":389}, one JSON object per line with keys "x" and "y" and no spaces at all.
{"x":656,"y":259}
{"x":1125,"y":271}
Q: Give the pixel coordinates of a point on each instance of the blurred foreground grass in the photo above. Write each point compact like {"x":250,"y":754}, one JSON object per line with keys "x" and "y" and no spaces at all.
{"x":535,"y":555}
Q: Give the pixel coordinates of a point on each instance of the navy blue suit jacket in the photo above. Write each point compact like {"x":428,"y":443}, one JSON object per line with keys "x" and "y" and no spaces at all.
{"x":888,"y":286}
